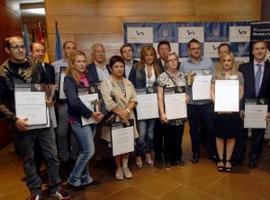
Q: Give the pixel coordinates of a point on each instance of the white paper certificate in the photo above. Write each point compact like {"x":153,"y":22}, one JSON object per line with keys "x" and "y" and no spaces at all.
{"x":31,"y":105}
{"x":226,"y":95}
{"x":175,"y":105}
{"x":201,"y":87}
{"x":88,"y":100}
{"x":62,"y":94}
{"x":122,"y":140}
{"x":147,"y":107}
{"x":255,"y":116}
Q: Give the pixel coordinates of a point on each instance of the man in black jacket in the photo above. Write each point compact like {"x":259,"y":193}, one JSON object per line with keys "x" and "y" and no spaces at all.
{"x":18,"y":70}
{"x":257,"y":87}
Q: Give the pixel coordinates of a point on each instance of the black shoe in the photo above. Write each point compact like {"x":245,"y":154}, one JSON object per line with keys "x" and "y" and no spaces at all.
{"x":195,"y":158}
{"x":213,"y":158}
{"x":180,"y":162}
{"x":228,"y":166}
{"x":253,"y":164}
{"x":220,"y":165}
{"x":93,"y":183}
{"x":76,"y":188}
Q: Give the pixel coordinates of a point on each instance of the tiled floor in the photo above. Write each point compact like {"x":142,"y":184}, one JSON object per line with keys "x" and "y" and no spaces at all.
{"x":191,"y":182}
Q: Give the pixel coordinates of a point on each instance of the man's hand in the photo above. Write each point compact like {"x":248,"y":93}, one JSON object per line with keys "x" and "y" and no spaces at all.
{"x":22,"y":125}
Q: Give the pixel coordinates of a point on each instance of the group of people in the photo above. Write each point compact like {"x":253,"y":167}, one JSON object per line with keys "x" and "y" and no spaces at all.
{"x":116,"y":84}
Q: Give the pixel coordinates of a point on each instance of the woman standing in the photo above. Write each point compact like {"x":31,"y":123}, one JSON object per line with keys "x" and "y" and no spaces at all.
{"x":76,"y":77}
{"x":171,"y":79}
{"x":227,"y":124}
{"x":120,"y":99}
{"x":144,"y":76}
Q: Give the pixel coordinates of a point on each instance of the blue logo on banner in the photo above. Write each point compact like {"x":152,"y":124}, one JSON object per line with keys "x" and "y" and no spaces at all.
{"x":166,"y":31}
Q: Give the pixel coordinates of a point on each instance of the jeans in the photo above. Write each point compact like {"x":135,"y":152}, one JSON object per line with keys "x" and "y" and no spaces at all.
{"x":26,"y":143}
{"x":85,"y":137}
{"x":145,"y":140}
{"x":206,"y":112}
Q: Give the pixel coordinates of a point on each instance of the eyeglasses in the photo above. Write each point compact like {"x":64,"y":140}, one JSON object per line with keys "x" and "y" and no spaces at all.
{"x":172,"y":60}
{"x":17,"y":47}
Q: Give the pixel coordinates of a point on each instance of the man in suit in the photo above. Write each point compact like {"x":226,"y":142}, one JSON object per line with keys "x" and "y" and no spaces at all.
{"x":164,"y":49}
{"x":38,"y":51}
{"x":257,"y":87}
{"x":127,"y":53}
{"x":98,"y":70}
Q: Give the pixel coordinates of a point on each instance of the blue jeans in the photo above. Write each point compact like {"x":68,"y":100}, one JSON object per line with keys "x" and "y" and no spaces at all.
{"x":85,"y":137}
{"x":145,"y":140}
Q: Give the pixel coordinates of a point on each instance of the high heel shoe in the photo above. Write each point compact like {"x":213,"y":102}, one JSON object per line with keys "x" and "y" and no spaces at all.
{"x":228,"y":166}
{"x":220,"y":165}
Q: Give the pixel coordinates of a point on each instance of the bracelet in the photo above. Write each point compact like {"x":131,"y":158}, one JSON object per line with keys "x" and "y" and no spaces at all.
{"x":128,"y":111}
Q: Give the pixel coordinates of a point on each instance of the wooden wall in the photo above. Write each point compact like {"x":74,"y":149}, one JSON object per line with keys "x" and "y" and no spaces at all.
{"x":89,"y":21}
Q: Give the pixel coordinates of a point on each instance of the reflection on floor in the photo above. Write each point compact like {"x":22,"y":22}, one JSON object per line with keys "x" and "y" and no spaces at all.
{"x":191,"y":182}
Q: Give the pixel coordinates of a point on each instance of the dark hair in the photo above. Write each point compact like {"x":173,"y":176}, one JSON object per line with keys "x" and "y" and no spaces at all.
{"x":257,"y":41}
{"x":125,"y":45}
{"x":164,"y":42}
{"x":69,"y":41}
{"x":193,"y":40}
{"x":7,"y":40}
{"x":32,"y":45}
{"x":223,"y":45}
{"x":115,"y":59}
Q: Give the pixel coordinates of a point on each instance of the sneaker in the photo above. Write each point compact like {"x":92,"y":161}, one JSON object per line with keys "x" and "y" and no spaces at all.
{"x":119,"y":174}
{"x":61,"y":194}
{"x":139,"y":161}
{"x":127,"y":172}
{"x":149,"y":159}
{"x":34,"y":197}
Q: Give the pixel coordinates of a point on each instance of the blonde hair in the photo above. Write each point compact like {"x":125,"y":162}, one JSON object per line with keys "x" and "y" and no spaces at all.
{"x":71,"y":67}
{"x":219,"y":70}
{"x":171,"y":54}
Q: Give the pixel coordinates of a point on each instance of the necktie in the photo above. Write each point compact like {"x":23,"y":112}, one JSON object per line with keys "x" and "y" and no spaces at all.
{"x":258,"y":79}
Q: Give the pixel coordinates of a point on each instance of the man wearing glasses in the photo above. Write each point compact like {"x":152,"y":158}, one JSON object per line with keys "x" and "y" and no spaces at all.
{"x":18,"y":70}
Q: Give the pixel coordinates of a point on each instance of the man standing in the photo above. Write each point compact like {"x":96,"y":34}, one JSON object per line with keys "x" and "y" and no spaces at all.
{"x":98,"y":70}
{"x":127,"y":53}
{"x":164,"y":49}
{"x":17,"y":70}
{"x":62,"y":109}
{"x":257,"y":87}
{"x":199,"y":109}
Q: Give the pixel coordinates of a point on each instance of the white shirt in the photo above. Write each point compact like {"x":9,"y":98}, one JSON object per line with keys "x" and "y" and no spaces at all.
{"x":150,"y":81}
{"x":128,"y":67}
{"x":102,"y":71}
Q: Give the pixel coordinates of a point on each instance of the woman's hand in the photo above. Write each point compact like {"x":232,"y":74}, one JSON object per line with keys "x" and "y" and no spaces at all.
{"x":163,"y":118}
{"x":242,"y":114}
{"x":124,"y":115}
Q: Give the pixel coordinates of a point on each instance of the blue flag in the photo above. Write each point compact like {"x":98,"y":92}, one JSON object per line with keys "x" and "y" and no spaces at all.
{"x":58,"y":46}
{"x":26,"y":40}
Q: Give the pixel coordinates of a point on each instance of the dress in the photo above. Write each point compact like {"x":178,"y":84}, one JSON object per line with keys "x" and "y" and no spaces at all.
{"x":227,"y":125}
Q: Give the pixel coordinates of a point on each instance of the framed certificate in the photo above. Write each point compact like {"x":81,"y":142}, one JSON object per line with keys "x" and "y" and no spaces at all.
{"x":175,"y":104}
{"x":122,"y":138}
{"x":201,"y":87}
{"x":227,"y":96}
{"x":62,"y":75}
{"x":30,"y":103}
{"x":147,"y":106}
{"x":255,"y":116}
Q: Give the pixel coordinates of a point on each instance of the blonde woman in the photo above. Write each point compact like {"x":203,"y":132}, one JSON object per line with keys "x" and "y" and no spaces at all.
{"x":226,"y":124}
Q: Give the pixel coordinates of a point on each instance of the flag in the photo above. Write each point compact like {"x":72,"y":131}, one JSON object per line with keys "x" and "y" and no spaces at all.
{"x":41,"y":38}
{"x":58,"y":46}
{"x":26,"y":40}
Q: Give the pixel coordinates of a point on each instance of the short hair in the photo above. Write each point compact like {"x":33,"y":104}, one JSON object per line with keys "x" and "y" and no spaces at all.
{"x":193,"y":40}
{"x":115,"y":59}
{"x":7,"y":40}
{"x":223,"y":45}
{"x":164,"y":42}
{"x":69,"y":41}
{"x":125,"y":45}
{"x":41,"y":43}
{"x":258,"y":41}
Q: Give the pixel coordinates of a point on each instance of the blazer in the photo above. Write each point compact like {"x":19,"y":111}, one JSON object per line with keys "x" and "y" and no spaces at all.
{"x":92,"y":73}
{"x":49,"y":73}
{"x":135,"y":62}
{"x":247,"y":70}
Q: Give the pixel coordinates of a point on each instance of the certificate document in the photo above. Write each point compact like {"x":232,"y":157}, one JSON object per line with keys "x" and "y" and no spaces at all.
{"x":255,"y":116}
{"x":175,"y":105}
{"x":226,"y":95}
{"x":62,"y":94}
{"x":147,"y":107}
{"x":201,"y":87}
{"x":31,"y":105}
{"x":89,"y":100}
{"x":122,"y":138}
